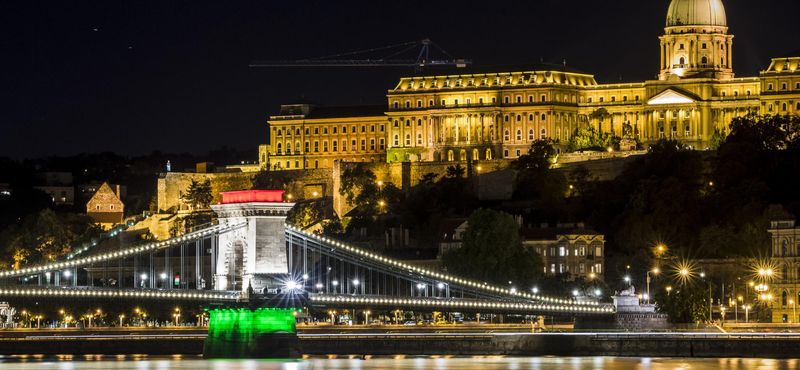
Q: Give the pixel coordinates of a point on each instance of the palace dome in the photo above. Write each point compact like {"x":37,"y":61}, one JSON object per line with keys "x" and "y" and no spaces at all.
{"x":696,"y":13}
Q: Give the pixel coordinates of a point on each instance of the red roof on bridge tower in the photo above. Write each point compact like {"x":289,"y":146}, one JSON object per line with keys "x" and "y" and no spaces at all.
{"x":252,"y":196}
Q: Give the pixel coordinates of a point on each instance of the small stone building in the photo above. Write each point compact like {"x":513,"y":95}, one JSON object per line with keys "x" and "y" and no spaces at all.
{"x":105,"y":207}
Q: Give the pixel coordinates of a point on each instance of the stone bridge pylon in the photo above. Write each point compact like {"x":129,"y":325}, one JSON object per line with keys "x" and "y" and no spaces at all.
{"x":255,"y":255}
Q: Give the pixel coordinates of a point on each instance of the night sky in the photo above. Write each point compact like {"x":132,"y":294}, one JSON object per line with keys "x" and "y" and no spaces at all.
{"x":137,"y":76}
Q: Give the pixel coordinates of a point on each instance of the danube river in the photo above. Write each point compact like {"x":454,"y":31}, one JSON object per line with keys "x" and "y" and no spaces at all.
{"x":397,"y":363}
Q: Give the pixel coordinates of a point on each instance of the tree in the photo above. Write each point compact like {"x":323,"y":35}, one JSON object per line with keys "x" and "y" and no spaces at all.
{"x":492,"y":251}
{"x":717,"y":139}
{"x":592,"y":139}
{"x":540,"y":156}
{"x":198,"y":194}
{"x":581,"y":180}
{"x":456,"y":172}
{"x":686,"y":302}
{"x":305,"y":214}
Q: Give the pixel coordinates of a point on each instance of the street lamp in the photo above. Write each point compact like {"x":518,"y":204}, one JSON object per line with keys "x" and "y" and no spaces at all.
{"x":669,"y":289}
{"x":120,"y":320}
{"x":535,"y":290}
{"x":26,"y":313}
{"x":655,"y":272}
{"x":746,"y":313}
{"x":722,"y":313}
{"x":333,"y":317}
{"x":794,"y":309}
{"x":366,"y":317}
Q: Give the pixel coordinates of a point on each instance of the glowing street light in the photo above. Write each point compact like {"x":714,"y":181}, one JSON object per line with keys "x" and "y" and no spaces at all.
{"x":535,"y":290}
{"x":655,"y":272}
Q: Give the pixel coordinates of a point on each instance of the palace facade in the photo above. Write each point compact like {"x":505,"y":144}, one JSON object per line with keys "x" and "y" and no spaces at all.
{"x":481,"y":113}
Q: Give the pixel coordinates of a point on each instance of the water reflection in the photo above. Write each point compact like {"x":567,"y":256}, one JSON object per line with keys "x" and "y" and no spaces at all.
{"x":142,"y":362}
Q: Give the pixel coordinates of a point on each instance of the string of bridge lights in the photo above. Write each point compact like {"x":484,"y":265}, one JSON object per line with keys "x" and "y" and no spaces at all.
{"x":436,"y":275}
{"x":118,"y":254}
{"x":458,"y":304}
{"x":115,"y":294}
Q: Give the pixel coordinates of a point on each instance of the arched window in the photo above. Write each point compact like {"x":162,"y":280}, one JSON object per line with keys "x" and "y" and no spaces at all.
{"x":408,"y":139}
{"x":543,"y":134}
{"x":785,"y":298}
{"x":475,"y":155}
{"x":589,"y":99}
{"x":797,"y":106}
{"x":462,"y":155}
{"x":278,"y":132}
{"x":543,"y":97}
{"x":530,"y":117}
{"x":450,"y":155}
{"x":316,"y":164}
{"x":505,"y":118}
{"x":519,"y":134}
{"x":288,"y":147}
{"x":530,"y":98}
{"x":681,"y":61}
{"x":530,"y":134}
{"x":704,"y":60}
{"x":783,"y":107}
{"x":519,"y":118}
{"x":408,"y":123}
{"x":279,"y":148}
{"x":396,"y":105}
{"x":519,"y":99}
{"x":770,"y":108}
{"x":544,"y":117}
{"x":408,"y":104}
{"x":396,"y":124}
{"x":505,"y":135}
{"x":419,"y":121}
{"x":566,"y":134}
{"x":785,"y":249}
{"x":505,"y":100}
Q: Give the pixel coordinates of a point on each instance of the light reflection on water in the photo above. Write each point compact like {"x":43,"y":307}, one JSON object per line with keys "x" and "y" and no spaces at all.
{"x":178,"y":362}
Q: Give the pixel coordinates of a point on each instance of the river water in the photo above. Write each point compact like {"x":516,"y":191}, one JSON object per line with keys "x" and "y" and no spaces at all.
{"x":396,"y":363}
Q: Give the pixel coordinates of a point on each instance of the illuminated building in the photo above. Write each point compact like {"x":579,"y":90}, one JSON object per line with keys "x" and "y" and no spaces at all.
{"x":481,"y":113}
{"x":785,"y":284}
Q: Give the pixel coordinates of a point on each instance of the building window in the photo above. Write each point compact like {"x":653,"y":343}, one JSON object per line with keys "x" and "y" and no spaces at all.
{"x":353,"y":144}
{"x":519,"y":134}
{"x":530,"y":134}
{"x":278,"y":132}
{"x":519,"y":118}
{"x":613,"y":98}
{"x":704,"y":60}
{"x":518,"y":152}
{"x":316,"y":146}
{"x":279,"y":148}
{"x":363,"y":128}
{"x":784,"y":86}
{"x":681,"y":47}
{"x":505,"y":135}
{"x":316,"y":164}
{"x":316,"y":130}
{"x":519,"y":99}
{"x":396,"y":105}
{"x":770,"y":107}
{"x":396,"y":140}
{"x":371,"y":144}
{"x":430,"y":103}
{"x":371,"y":128}
{"x":544,"y":117}
{"x":543,"y":134}
{"x":598,"y":268}
{"x":408,"y":104}
{"x":363,"y":144}
{"x":783,"y":106}
{"x":505,"y":100}
{"x":419,"y":122}
{"x":408,"y":139}
{"x":450,"y":155}
{"x":562,"y":251}
{"x":530,"y":98}
{"x":325,"y":146}
{"x":382,"y":145}
{"x":505,"y":153}
{"x":769,"y":87}
{"x":288,"y":164}
{"x":344,"y":146}
{"x":589,"y":99}
{"x":688,"y":131}
{"x":488,"y":154}
{"x":505,"y":119}
{"x":419,"y":139}
{"x":530,"y":117}
{"x":419,"y":103}
{"x":408,"y":123}
{"x":296,"y":164}
{"x":335,"y":145}
{"x":704,"y":45}
{"x":602,"y":99}
{"x":112,"y":207}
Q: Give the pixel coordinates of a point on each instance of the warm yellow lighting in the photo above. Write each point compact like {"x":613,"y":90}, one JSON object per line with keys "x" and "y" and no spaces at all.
{"x":655,"y":270}
{"x":479,"y":168}
{"x":610,"y":150}
{"x":684,"y":272}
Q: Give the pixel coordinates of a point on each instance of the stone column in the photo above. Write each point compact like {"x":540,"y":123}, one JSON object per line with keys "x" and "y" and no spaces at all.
{"x":730,"y":54}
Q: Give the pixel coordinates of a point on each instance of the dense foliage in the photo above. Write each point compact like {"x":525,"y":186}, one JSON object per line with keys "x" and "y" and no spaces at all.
{"x":589,"y":138}
{"x":492,"y":251}
{"x":198,"y":195}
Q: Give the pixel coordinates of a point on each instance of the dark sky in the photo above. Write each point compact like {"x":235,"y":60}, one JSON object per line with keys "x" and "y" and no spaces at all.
{"x":136,"y":76}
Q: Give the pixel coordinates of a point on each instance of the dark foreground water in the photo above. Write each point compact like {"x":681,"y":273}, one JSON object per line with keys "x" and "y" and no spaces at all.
{"x":398,"y":363}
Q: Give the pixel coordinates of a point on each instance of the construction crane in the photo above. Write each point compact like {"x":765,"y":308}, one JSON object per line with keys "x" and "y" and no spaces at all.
{"x":423,"y":59}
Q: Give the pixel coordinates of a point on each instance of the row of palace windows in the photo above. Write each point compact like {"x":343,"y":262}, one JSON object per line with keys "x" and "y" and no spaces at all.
{"x":601,"y":99}
{"x":784,"y":107}
{"x":462,"y":155}
{"x":334,"y":146}
{"x":687,"y":131}
{"x":542,"y":135}
{"x":703,"y":46}
{"x":506,"y":100}
{"x":521,"y":79}
{"x":316,"y":163}
{"x":784,"y":86}
{"x":334,"y":130}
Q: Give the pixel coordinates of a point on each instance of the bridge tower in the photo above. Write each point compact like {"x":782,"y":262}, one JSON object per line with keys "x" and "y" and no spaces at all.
{"x":254,"y":255}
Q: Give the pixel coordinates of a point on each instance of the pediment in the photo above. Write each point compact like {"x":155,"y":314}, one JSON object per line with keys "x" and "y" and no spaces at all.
{"x":671,"y":96}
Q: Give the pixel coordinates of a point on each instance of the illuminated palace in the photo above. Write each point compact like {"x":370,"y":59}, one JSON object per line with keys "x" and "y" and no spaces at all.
{"x":493,"y":113}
